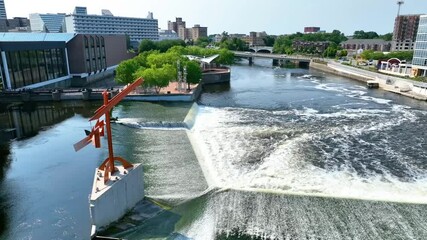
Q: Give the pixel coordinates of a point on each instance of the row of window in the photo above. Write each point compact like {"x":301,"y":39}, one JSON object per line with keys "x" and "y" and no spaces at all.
{"x":422,"y":29}
{"x":419,"y":61}
{"x":115,"y":20}
{"x":423,"y":21}
{"x":420,"y":53}
{"x":422,"y":37}
{"x":95,"y":53}
{"x":420,"y":45}
{"x":35,"y":66}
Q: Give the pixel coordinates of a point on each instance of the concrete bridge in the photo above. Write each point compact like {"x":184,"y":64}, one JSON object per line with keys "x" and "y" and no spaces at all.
{"x":261,"y":49}
{"x":278,"y":59}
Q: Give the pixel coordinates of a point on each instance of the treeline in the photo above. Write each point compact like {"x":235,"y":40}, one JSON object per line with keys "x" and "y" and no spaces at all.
{"x":402,"y":55}
{"x":285,"y":44}
{"x":372,"y":35}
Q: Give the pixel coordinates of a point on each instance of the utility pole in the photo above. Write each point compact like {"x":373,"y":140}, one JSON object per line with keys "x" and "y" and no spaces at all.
{"x":399,"y":3}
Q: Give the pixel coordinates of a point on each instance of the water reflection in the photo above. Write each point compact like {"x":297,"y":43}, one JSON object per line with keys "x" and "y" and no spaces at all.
{"x":26,"y":167}
{"x":4,"y":201}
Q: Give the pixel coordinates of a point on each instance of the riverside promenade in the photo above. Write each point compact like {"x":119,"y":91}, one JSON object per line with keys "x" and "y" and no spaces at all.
{"x":402,"y":86}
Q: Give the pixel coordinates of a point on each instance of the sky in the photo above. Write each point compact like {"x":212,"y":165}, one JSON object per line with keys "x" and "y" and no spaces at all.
{"x":242,"y":16}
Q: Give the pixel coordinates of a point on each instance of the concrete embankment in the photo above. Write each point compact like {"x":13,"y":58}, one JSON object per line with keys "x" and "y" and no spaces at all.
{"x":393,"y":84}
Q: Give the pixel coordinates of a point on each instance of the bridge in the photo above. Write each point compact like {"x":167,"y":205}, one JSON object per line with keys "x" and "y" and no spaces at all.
{"x":261,"y":49}
{"x":278,"y":59}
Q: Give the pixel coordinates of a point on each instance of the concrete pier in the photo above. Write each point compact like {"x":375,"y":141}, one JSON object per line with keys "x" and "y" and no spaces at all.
{"x":111,"y":201}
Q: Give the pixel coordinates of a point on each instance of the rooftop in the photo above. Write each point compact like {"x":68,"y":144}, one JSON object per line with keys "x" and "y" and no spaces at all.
{"x":36,"y":37}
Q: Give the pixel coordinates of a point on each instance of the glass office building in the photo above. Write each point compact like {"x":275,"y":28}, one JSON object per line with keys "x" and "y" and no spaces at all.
{"x":31,"y":58}
{"x":419,"y":62}
{"x":50,"y":23}
{"x":27,"y":67}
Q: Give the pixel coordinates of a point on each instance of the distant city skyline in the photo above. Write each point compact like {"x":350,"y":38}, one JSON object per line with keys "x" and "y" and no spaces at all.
{"x":238,"y":16}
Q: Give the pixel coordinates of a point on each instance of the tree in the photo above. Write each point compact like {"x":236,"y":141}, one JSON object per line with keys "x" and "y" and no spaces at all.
{"x":157,"y":77}
{"x":125,"y":71}
{"x":331,"y":51}
{"x":224,"y":36}
{"x":160,"y":59}
{"x":269,"y":40}
{"x":128,"y":45}
{"x":225,"y":57}
{"x":147,"y":45}
{"x":202,"y":42}
{"x":194,"y":73}
{"x":387,"y":36}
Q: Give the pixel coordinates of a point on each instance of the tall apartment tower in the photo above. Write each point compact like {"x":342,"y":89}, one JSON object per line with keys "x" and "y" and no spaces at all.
{"x":405,"y":32}
{"x":136,"y":28}
{"x":3,"y":15}
{"x":419,"y":62}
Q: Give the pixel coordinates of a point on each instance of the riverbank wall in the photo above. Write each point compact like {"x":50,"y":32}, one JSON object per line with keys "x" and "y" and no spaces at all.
{"x":401,"y":86}
{"x":209,"y":76}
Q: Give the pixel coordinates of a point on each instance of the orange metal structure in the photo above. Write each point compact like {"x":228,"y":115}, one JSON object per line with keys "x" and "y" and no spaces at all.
{"x":98,"y":130}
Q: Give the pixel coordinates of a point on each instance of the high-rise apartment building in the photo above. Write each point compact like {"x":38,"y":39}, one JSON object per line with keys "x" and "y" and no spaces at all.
{"x":197,"y":32}
{"x":2,"y":10}
{"x":184,"y":33}
{"x":405,"y":32}
{"x":49,"y":23}
{"x":136,"y":28}
{"x":419,"y":62}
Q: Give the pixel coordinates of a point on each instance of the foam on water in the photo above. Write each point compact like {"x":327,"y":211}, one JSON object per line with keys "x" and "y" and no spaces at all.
{"x":272,"y":151}
{"x":136,"y":123}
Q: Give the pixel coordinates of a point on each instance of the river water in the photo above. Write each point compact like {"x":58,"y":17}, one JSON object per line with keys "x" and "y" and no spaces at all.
{"x":277,"y":154}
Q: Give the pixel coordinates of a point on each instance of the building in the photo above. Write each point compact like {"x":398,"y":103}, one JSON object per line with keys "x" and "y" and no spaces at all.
{"x":405,"y":32}
{"x":3,"y":14}
{"x":185,"y":33}
{"x":167,"y":35}
{"x":49,"y":23}
{"x":311,"y":29}
{"x":366,"y":44}
{"x":16,"y":24}
{"x":310,"y":47}
{"x":136,"y":28}
{"x":198,"y":32}
{"x":34,"y":60}
{"x":175,"y":25}
{"x":419,"y":62}
{"x":255,"y":38}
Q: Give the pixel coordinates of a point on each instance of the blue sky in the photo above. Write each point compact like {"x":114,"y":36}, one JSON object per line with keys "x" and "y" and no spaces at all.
{"x":243,"y":16}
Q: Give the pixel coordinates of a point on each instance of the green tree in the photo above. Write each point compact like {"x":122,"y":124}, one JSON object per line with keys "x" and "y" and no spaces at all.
{"x":147,"y":45}
{"x":387,"y":36}
{"x":125,"y":71}
{"x":269,"y":40}
{"x":157,"y":78}
{"x":331,"y":51}
{"x":160,"y":59}
{"x":194,"y":73}
{"x":225,"y":36}
{"x":128,"y":45}
{"x":225,"y":57}
{"x":202,"y":42}
{"x":165,"y":45}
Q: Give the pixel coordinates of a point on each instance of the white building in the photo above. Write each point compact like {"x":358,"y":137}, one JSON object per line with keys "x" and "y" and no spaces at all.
{"x":136,"y":28}
{"x":419,"y":62}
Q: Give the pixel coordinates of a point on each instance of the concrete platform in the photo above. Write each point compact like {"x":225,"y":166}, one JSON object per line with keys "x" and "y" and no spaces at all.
{"x":111,"y":201}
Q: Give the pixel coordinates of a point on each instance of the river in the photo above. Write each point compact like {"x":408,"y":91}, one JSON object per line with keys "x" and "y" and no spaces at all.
{"x":277,"y":154}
